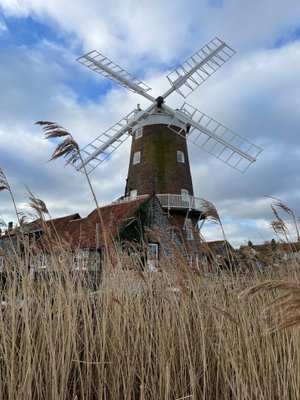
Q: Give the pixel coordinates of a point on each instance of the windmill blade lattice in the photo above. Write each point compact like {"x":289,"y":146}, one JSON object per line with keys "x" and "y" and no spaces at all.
{"x":104,"y":145}
{"x":205,"y":132}
{"x":219,"y":141}
{"x":104,"y":66}
{"x":200,"y":66}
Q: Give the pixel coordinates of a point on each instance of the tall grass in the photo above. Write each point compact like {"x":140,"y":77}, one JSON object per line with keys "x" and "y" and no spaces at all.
{"x":140,"y":335}
{"x":172,"y":334}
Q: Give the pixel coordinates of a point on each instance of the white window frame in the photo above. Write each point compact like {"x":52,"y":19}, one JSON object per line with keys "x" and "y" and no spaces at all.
{"x":76,"y":261}
{"x":136,"y":158}
{"x":31,"y":271}
{"x":180,"y":156}
{"x":133,"y":193}
{"x":42,"y":260}
{"x":185,"y":197}
{"x":85,"y":258}
{"x":153,"y":250}
{"x":80,"y":260}
{"x":188,"y":227}
{"x":139,"y":133}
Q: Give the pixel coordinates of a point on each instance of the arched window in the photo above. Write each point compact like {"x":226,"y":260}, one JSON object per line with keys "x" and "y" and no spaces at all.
{"x":136,"y":157}
{"x":180,"y":156}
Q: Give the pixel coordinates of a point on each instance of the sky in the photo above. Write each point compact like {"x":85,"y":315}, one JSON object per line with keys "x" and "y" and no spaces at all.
{"x":256,"y":94}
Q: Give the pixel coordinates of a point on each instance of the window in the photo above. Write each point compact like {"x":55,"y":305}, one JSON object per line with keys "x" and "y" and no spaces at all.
{"x":42,"y":261}
{"x":80,"y":260}
{"x":133,"y":193}
{"x":1,"y":263}
{"x":31,"y":271}
{"x":85,"y":258}
{"x":185,"y":197}
{"x":153,"y":250}
{"x":136,"y":158}
{"x":76,"y":261}
{"x":188,"y":229}
{"x":139,"y":133}
{"x":152,"y":256}
{"x":180,"y":156}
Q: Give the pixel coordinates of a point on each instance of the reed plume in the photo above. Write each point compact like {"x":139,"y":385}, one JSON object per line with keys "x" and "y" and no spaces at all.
{"x":4,"y":185}
{"x":70,"y":151}
{"x":285,"y":307}
{"x":68,"y":148}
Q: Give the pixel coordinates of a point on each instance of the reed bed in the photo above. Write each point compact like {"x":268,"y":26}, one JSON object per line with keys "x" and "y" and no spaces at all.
{"x":172,"y":334}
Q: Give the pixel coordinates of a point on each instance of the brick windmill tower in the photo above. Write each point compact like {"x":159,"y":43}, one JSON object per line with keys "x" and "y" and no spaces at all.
{"x":159,"y":160}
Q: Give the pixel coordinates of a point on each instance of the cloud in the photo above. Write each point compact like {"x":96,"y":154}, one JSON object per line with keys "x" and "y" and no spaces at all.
{"x":256,"y":94}
{"x":3,"y":27}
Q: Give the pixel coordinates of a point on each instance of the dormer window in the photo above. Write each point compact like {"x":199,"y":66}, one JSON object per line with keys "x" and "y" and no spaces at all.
{"x":139,"y":133}
{"x":136,"y":158}
{"x":180,"y":156}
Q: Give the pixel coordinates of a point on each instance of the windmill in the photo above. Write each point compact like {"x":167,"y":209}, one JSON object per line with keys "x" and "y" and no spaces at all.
{"x":159,"y":157}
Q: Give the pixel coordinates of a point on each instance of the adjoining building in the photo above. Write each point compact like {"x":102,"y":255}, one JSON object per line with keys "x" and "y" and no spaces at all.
{"x":139,"y":225}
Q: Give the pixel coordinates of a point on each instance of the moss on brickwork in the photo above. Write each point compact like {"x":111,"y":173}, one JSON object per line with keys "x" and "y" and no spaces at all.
{"x":160,"y":150}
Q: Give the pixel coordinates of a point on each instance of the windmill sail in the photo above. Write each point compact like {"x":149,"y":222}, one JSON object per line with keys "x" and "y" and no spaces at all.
{"x":205,"y":132}
{"x":104,"y":66}
{"x":104,"y":145}
{"x":216,"y":139}
{"x":200,"y":66}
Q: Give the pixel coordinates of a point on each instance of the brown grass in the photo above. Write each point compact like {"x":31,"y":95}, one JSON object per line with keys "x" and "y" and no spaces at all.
{"x":173,"y":334}
{"x":139,"y":335}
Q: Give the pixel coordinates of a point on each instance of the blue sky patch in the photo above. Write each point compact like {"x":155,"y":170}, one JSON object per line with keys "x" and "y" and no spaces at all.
{"x":287,"y":38}
{"x":27,"y":31}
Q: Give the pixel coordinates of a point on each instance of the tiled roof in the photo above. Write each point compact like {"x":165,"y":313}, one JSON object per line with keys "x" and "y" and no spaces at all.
{"x":217,"y":247}
{"x":77,"y":232}
{"x":269,"y":248}
{"x":61,"y":222}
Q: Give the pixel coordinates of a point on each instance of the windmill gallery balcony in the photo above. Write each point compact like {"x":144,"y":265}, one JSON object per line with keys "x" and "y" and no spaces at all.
{"x":173,"y":201}
{"x":177,"y":201}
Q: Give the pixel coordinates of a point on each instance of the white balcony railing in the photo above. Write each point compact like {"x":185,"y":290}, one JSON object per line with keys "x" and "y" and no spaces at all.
{"x":178,"y":201}
{"x":172,"y":201}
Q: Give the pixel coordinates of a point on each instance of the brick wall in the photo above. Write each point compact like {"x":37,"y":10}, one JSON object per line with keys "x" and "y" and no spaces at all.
{"x":158,"y":170}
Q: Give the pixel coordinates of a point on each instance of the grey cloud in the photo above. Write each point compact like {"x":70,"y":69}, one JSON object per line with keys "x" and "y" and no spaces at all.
{"x":255,"y":94}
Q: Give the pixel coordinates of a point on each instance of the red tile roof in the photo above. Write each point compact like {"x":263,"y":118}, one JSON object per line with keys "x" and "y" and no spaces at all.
{"x":77,"y":232}
{"x":217,"y":247}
